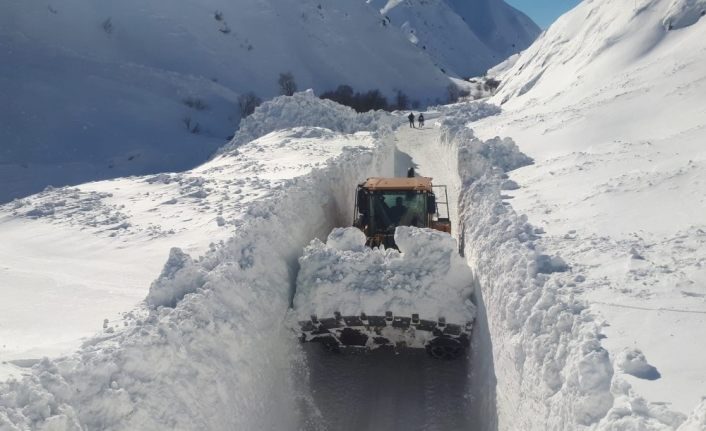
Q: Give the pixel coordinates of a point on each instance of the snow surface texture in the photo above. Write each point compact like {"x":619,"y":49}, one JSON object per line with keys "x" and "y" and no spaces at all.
{"x":426,"y":276}
{"x":221,"y":351}
{"x":64,"y":248}
{"x":222,"y":356}
{"x":491,"y":30}
{"x":308,"y":110}
{"x":633,"y":362}
{"x":110,"y":89}
{"x":598,"y":269}
{"x":552,"y":371}
{"x":683,"y":13}
{"x":609,"y":104}
{"x":604,"y":44}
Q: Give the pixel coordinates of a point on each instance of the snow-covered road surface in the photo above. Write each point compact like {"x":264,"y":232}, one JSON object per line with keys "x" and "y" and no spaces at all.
{"x":381,"y":390}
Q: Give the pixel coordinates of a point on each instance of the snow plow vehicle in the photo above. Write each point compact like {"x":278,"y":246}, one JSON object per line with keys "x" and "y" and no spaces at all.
{"x":382,"y":204}
{"x":394,"y":279}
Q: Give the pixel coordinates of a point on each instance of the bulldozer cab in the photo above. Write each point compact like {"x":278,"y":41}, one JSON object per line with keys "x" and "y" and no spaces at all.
{"x":382,"y":204}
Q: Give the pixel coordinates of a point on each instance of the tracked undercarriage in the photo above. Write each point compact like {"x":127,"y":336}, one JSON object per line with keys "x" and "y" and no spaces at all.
{"x":440,"y":339}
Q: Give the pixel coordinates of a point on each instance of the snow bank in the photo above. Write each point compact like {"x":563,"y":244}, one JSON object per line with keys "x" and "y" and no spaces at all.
{"x":551,"y":369}
{"x":90,"y":252}
{"x":480,"y":157}
{"x":220,"y":357}
{"x":179,"y":276}
{"x":633,"y":362}
{"x":612,"y":112}
{"x":427,"y":276}
{"x":465,"y":112}
{"x":697,"y":420}
{"x":305,"y":109}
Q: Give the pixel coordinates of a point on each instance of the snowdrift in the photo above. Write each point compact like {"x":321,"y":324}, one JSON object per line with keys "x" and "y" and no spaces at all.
{"x":552,"y":370}
{"x":306,"y":110}
{"x":683,"y":13}
{"x":609,"y":104}
{"x":605,"y":43}
{"x":216,"y":346}
{"x":426,"y":276}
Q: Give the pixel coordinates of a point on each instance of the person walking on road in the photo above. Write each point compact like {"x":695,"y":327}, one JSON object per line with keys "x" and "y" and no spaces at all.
{"x":411,"y":119}
{"x":421,"y":120}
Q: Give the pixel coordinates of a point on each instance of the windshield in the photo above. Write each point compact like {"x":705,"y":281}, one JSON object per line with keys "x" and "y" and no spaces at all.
{"x":392,"y":208}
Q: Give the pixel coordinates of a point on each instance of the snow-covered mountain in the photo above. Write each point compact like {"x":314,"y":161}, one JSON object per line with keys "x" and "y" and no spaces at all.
{"x":107,"y":89}
{"x":463,"y":37}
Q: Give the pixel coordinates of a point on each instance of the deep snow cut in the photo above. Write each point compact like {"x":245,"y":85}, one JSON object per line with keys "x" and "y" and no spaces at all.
{"x":215,"y":332}
{"x":65,"y":248}
{"x":573,"y":258}
{"x":552,"y":369}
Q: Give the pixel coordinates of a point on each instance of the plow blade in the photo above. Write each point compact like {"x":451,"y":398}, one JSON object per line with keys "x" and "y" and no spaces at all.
{"x":440,"y":339}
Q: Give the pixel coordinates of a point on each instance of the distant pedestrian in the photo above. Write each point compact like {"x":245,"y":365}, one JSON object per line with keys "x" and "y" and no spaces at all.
{"x":421,"y":120}
{"x":411,"y":119}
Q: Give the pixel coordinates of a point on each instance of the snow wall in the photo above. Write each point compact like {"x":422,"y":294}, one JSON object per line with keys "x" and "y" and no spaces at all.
{"x":550,"y":371}
{"x":212,"y":351}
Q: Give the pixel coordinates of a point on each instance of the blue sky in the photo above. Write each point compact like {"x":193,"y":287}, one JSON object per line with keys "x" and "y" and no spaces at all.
{"x":543,"y":12}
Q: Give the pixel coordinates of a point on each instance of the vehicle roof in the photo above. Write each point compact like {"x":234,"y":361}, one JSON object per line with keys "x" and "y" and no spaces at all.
{"x":398,"y":183}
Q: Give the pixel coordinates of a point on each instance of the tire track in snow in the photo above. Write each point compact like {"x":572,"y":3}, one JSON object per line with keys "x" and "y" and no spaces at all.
{"x":635,"y":307}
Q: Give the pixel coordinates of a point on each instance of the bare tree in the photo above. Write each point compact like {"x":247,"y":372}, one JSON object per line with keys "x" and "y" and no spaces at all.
{"x":195,"y":103}
{"x":247,"y":103}
{"x":401,"y":100}
{"x":107,"y":26}
{"x":455,"y":93}
{"x":287,"y":86}
{"x":491,"y":84}
{"x":191,"y":126}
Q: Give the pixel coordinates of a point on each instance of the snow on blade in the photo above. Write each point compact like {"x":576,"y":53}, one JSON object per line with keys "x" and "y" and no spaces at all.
{"x":427,"y":277}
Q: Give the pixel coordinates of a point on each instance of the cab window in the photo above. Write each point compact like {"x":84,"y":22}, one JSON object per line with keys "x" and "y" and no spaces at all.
{"x":390,"y":209}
